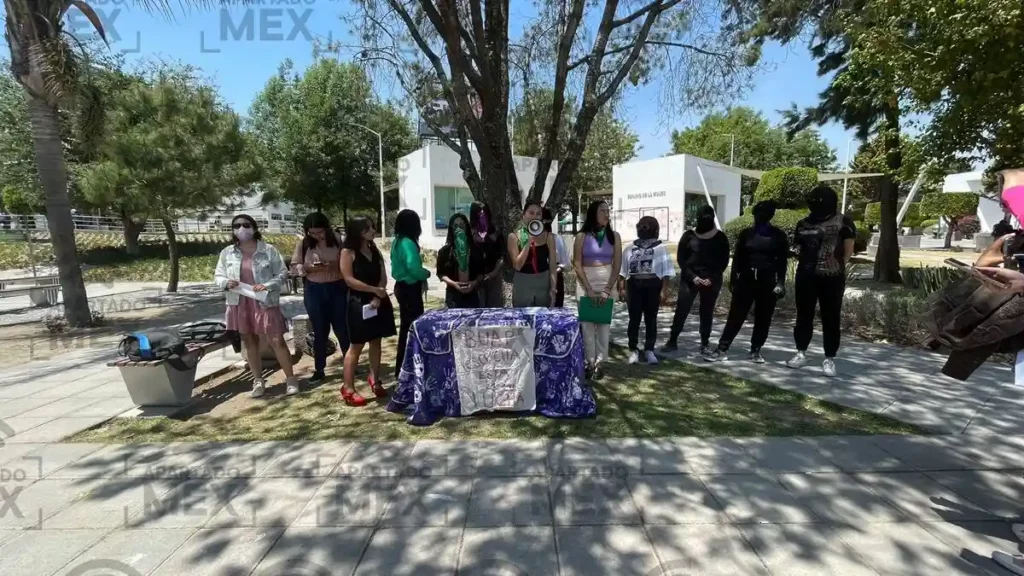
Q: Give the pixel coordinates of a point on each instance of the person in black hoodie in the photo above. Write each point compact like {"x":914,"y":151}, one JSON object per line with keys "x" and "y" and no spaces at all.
{"x":824,"y":240}
{"x":758,"y":279}
{"x":703,"y":256}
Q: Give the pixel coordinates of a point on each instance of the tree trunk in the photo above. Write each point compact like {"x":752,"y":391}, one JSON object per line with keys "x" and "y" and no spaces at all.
{"x":49,"y":155}
{"x":172,"y":249}
{"x":887,"y":258}
{"x":131,"y":235}
{"x":949,"y":233}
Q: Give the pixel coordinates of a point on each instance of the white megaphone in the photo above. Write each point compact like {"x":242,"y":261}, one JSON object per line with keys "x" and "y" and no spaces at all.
{"x":535,"y":227}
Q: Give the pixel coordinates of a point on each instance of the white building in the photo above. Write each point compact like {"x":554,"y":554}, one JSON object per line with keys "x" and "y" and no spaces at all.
{"x":431,"y":183}
{"x":990,"y":211}
{"x":668,"y":188}
{"x":275,"y":217}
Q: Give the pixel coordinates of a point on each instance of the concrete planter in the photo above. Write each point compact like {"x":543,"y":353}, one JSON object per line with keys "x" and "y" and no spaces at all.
{"x":982,"y":241}
{"x":164,"y":385}
{"x":874,"y":239}
{"x":910,"y":241}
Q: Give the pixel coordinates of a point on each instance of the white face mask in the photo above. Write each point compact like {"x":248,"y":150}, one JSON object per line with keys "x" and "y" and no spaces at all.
{"x":244,"y":234}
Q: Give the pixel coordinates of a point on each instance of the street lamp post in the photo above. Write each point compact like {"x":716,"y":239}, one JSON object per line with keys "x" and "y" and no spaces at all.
{"x":380,"y":164}
{"x":846,"y":181}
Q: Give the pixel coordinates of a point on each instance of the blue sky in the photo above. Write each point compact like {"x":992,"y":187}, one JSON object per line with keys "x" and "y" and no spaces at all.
{"x":283,"y":29}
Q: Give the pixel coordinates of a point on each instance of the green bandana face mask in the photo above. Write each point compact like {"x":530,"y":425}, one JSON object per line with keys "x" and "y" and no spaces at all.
{"x":524,"y":237}
{"x":462,"y":249}
{"x":600,"y":236}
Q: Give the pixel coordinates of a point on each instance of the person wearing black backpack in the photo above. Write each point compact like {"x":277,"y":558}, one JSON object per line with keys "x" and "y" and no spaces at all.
{"x":325,"y":295}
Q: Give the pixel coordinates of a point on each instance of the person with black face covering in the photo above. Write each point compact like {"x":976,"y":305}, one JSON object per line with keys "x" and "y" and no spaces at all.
{"x":703,"y":256}
{"x":758,"y":279}
{"x":824,"y":240}
{"x":643,"y":285}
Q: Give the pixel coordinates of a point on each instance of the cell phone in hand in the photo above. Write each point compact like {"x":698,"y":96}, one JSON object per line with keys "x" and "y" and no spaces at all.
{"x":976,"y":273}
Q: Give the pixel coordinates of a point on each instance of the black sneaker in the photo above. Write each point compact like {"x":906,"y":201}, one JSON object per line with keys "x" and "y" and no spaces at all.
{"x":588,"y":372}
{"x":717,"y":356}
{"x":755,"y":357}
{"x":317,"y":378}
{"x":705,"y":350}
{"x":598,"y":373}
{"x":670,"y":346}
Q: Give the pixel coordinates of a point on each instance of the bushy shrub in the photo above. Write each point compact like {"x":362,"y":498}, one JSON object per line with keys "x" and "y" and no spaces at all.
{"x":913,"y":219}
{"x":873,"y":214}
{"x":929,"y":279}
{"x":893,"y":316}
{"x":968,"y":226}
{"x":786,"y":220}
{"x":860,"y":243}
{"x":928,"y":224}
{"x":953,"y":205}
{"x":788,"y":187}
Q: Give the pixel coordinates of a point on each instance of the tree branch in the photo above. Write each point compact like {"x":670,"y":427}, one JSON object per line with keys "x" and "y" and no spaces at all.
{"x":630,"y":18}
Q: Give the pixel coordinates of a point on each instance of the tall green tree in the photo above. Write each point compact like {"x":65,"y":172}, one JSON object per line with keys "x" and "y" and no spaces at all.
{"x":171,"y":147}
{"x":744,"y":136}
{"x":309,"y":143}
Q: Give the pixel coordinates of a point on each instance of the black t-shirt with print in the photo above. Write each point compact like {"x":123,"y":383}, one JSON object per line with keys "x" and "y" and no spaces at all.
{"x":821,"y":244}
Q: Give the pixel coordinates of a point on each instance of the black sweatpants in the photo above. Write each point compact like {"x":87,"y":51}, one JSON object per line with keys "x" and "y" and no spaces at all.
{"x":643,"y":297}
{"x":688,"y":292}
{"x":812,"y":290}
{"x":560,"y":291}
{"x":410,"y":307}
{"x":751,"y":288}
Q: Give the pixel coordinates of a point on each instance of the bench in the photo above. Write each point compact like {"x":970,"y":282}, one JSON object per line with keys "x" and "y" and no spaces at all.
{"x":40,"y":295}
{"x":161,"y":383}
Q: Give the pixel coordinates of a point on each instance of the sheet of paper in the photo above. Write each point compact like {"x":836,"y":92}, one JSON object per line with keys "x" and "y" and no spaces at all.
{"x":1018,"y":369}
{"x":247,"y":291}
{"x":369,"y":311}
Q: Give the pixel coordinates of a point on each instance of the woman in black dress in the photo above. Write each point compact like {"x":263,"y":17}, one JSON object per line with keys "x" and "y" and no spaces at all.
{"x":460,"y":266}
{"x":486,"y":238}
{"x":370,"y":314}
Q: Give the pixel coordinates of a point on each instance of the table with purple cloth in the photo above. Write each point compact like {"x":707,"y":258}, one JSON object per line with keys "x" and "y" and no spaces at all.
{"x":428,"y":386}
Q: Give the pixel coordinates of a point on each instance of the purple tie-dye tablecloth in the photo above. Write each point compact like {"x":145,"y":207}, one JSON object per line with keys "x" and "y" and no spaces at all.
{"x":428,"y":387}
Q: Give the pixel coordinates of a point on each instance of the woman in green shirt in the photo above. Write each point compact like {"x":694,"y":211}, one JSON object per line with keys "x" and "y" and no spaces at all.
{"x":410,"y":277}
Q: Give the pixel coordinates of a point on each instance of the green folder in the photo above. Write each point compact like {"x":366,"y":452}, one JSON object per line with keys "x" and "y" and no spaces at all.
{"x":591,"y":312}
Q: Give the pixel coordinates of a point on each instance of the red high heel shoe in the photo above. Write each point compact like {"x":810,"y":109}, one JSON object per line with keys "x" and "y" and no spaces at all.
{"x":352,"y":398}
{"x":378,"y":389}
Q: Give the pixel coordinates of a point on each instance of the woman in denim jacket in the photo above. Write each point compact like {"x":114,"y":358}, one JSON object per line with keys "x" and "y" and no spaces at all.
{"x":251,"y":261}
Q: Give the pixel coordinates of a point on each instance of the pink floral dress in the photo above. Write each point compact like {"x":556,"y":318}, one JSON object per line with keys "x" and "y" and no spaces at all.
{"x":248,"y":317}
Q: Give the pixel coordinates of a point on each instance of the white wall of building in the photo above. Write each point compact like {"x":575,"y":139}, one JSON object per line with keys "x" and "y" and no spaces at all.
{"x":660,"y":187}
{"x":430,"y":173}
{"x":990,"y":211}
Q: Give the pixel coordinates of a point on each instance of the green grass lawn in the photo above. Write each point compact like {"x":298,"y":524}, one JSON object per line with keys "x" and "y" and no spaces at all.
{"x":672,"y":399}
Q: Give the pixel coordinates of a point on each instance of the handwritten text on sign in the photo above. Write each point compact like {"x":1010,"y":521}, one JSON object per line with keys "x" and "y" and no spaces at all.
{"x":494,"y":365}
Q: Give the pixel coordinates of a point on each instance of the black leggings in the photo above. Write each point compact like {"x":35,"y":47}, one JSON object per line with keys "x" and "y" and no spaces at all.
{"x":751,"y":289}
{"x":688,"y":292}
{"x":410,"y":307}
{"x":812,"y":290}
{"x":643,"y":297}
{"x":560,"y":291}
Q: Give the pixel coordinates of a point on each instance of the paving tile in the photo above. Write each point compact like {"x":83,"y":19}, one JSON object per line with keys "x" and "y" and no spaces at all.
{"x":996,"y":452}
{"x":974,"y":542}
{"x":110,"y":504}
{"x":108,"y":462}
{"x":69,"y":388}
{"x":268,"y":502}
{"x":107,"y":407}
{"x":376,"y":459}
{"x":56,"y":429}
{"x":646,"y":456}
{"x":43,"y":552}
{"x":192,"y":504}
{"x":139,"y":550}
{"x":512,"y":458}
{"x":716,"y":456}
{"x":10,"y":408}
{"x":581,"y":456}
{"x":175,"y":460}
{"x":14,"y":452}
{"x":706,"y":550}
{"x":315,"y":551}
{"x":997,"y":492}
{"x":29,"y":506}
{"x":786,"y":455}
{"x":904,"y":549}
{"x":755,"y":498}
{"x":348,"y":501}
{"x":605,"y":551}
{"x":857,"y":454}
{"x":239,"y":459}
{"x":444,"y":457}
{"x":839,"y":499}
{"x":509,"y":502}
{"x":924,"y":453}
{"x":48,"y":458}
{"x":508,"y":550}
{"x":804,"y":550}
{"x":220,"y":552}
{"x":586,"y":500}
{"x":12,"y":428}
{"x":921,"y":498}
{"x":54,"y":408}
{"x":308,"y":459}
{"x":679,"y":499}
{"x":435,"y":501}
{"x":411,"y":551}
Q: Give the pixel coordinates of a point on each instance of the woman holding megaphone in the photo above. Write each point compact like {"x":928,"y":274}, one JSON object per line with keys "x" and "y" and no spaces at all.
{"x":534,"y":260}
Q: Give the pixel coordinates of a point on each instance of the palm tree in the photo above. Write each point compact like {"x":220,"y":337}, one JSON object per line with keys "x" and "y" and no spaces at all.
{"x":51,"y":73}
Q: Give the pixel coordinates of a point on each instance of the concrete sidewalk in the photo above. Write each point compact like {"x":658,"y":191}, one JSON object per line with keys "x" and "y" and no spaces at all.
{"x":784,"y":506}
{"x":903,"y":383}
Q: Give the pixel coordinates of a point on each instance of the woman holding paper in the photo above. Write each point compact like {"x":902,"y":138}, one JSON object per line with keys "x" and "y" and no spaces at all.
{"x":410,"y":277}
{"x":534,"y":259}
{"x":595,"y":257}
{"x":460,"y":265}
{"x":370,"y":314}
{"x":252,"y":267}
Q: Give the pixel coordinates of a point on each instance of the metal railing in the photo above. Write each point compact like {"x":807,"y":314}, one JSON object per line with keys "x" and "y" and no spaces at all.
{"x":88,"y":223}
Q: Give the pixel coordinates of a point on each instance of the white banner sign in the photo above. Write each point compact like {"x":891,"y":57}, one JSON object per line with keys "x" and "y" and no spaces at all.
{"x":494,"y":365}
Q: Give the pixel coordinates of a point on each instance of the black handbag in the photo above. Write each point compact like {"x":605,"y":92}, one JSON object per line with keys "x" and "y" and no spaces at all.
{"x":156,"y":345}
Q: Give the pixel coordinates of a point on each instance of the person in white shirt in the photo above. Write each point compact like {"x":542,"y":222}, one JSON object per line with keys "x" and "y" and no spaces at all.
{"x":643,"y":285}
{"x":563,"y":258}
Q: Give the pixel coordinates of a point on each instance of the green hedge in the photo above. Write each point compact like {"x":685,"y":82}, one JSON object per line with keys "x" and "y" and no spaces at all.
{"x":788,"y":187}
{"x":951,"y":205}
{"x":926,"y":224}
{"x":786,"y":220}
{"x":860,"y":243}
{"x":912,"y":219}
{"x":873,"y":214}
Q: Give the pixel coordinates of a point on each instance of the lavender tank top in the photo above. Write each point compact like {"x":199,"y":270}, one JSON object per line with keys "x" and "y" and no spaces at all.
{"x":593,"y":252}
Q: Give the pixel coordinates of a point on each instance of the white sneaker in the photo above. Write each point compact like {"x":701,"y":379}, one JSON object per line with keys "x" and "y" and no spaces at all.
{"x":797,"y":361}
{"x":755,"y":357}
{"x":292,"y":388}
{"x":651,"y":358}
{"x":258,"y":388}
{"x":634,"y":357}
{"x":1012,"y":562}
{"x":828,"y":367}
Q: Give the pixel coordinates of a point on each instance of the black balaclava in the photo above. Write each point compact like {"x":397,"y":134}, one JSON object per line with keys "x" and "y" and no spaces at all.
{"x":705,"y":220}
{"x":763,"y":211}
{"x":823,"y":202}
